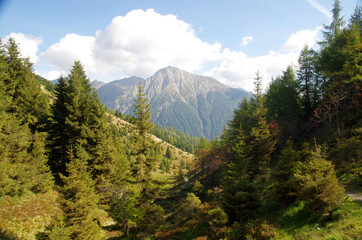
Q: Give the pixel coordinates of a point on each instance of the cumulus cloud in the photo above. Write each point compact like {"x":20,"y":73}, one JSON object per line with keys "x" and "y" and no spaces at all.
{"x":51,"y":75}
{"x":70,"y":48}
{"x":142,"y":42}
{"x":298,"y":40}
{"x":321,"y":8}
{"x":28,"y":45}
{"x":246,"y":40}
{"x":236,"y":69}
{"x":139,"y":43}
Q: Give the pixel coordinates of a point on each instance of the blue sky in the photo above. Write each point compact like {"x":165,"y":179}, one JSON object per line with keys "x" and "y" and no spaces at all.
{"x":228,"y":40}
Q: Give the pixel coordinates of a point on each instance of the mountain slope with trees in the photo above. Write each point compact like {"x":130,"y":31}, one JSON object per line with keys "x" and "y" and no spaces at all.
{"x":193,"y":104}
{"x":278,"y":171}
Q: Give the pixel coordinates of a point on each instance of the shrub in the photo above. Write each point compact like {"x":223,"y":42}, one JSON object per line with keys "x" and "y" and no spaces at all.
{"x":217,"y":217}
{"x":317,"y":184}
{"x":258,"y":229}
{"x":198,"y":189}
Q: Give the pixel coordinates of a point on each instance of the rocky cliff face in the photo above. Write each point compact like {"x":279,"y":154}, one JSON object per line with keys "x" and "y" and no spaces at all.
{"x":194,"y":104}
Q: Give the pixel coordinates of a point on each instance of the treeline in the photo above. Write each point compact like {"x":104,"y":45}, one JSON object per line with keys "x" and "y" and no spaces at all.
{"x":171,"y":135}
{"x":288,"y":146}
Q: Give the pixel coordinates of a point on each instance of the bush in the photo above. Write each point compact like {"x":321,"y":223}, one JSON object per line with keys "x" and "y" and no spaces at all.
{"x":189,"y":208}
{"x":198,"y":189}
{"x":152,"y":217}
{"x":317,"y":184}
{"x":217,"y":217}
{"x":258,"y":229}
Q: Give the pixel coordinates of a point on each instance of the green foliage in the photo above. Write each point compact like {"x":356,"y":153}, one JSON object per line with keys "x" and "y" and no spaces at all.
{"x":168,"y":153}
{"x":198,"y":189}
{"x":176,"y":138}
{"x":22,"y":150}
{"x":152,"y":217}
{"x":190,"y":207}
{"x":23,"y":217}
{"x":284,"y":189}
{"x":142,"y":162}
{"x":49,"y":86}
{"x":217,"y":217}
{"x":317,"y":184}
{"x":79,"y":199}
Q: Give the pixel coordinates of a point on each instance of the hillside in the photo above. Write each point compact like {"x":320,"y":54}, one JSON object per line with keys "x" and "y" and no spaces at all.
{"x":196,"y":105}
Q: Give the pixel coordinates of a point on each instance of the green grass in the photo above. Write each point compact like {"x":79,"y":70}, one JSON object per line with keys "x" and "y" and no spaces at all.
{"x":296,"y":223}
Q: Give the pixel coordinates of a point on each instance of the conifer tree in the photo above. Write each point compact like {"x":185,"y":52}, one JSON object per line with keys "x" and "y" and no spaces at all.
{"x":28,"y":102}
{"x":239,"y":198}
{"x":308,"y":80}
{"x":261,"y":141}
{"x":316,"y":182}
{"x":143,"y":163}
{"x":284,"y":188}
{"x":336,"y":25}
{"x":79,"y":199}
{"x":22,"y":151}
{"x":79,"y":115}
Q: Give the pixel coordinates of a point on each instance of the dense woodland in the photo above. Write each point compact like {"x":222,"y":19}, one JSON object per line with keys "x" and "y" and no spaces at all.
{"x":280,"y":170}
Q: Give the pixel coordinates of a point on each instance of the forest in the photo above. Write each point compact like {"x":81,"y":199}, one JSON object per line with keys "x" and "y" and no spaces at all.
{"x":72,"y":169}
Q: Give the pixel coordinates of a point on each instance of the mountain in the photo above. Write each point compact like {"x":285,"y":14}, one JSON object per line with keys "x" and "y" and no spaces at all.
{"x":97,"y":84}
{"x":194,"y":104}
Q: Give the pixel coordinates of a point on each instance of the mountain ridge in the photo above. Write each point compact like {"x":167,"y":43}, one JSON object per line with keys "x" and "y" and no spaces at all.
{"x":195,"y":104}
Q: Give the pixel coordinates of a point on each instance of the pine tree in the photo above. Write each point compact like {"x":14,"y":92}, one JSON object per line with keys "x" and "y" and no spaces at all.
{"x":239,"y":198}
{"x":356,"y":18}
{"x":316,"y":182}
{"x":28,"y":102}
{"x":168,"y":153}
{"x":79,"y":115}
{"x":284,"y":188}
{"x":143,"y":163}
{"x":336,"y":25}
{"x":58,"y":131}
{"x":79,"y":199}
{"x":308,"y":80}
{"x":22,"y":151}
{"x":282,"y":101}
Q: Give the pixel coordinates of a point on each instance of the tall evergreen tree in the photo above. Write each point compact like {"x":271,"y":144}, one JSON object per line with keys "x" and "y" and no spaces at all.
{"x":282,"y":99}
{"x":356,"y":18}
{"x":28,"y":102}
{"x":79,"y":115}
{"x":336,"y":25}
{"x":22,"y":152}
{"x":79,"y":199}
{"x":143,"y":163}
{"x":308,"y":80}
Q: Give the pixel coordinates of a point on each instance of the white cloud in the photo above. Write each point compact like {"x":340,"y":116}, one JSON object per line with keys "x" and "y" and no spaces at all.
{"x":70,"y":48}
{"x":298,"y":40}
{"x":139,"y":43}
{"x":51,"y":75}
{"x":142,"y":42}
{"x":28,"y":45}
{"x":321,"y":8}
{"x":246,"y":40}
{"x":236,"y":69}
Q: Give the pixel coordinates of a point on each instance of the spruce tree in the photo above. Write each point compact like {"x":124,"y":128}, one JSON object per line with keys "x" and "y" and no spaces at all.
{"x":336,"y":26}
{"x":308,"y":80}
{"x":239,"y":197}
{"x":22,"y":151}
{"x":28,"y":102}
{"x":142,"y":143}
{"x":79,"y":199}
{"x":79,"y":115}
{"x":316,"y":182}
